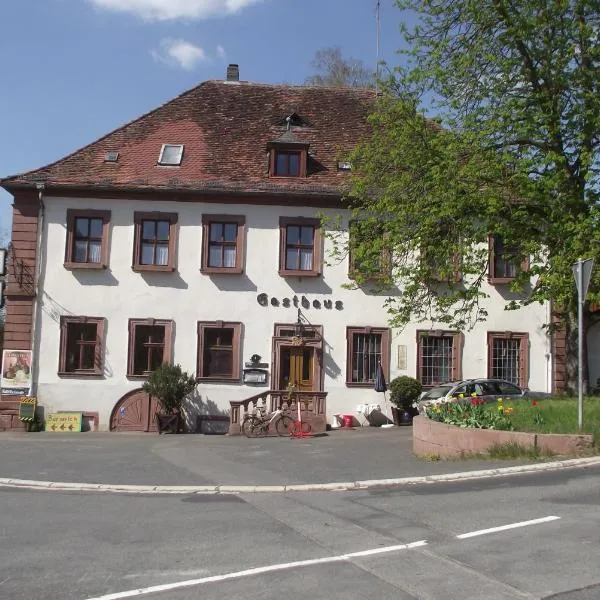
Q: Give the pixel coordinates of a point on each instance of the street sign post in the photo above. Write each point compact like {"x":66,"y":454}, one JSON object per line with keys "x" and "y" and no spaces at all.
{"x":582,"y":270}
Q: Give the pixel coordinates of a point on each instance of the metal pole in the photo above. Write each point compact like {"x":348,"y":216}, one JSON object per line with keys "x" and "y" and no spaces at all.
{"x":378,"y":34}
{"x":580,"y":340}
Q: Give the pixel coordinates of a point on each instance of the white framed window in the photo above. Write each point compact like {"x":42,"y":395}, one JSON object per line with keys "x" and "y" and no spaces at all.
{"x":171,"y":155}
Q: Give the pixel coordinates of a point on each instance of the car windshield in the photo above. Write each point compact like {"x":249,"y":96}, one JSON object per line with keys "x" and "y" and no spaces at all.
{"x":437,"y":392}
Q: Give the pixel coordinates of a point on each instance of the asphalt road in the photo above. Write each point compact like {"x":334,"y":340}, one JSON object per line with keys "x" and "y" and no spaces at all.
{"x":143,"y":459}
{"x":79,"y":546}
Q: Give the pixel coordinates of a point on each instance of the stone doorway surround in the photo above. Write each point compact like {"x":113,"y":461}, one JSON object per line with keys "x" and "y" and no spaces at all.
{"x":284,"y":339}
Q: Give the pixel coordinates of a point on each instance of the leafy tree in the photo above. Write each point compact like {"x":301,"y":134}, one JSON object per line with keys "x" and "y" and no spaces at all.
{"x":335,"y":71}
{"x":514,"y":152}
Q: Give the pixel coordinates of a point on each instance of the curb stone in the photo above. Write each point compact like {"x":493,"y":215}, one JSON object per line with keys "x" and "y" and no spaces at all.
{"x":300,"y":487}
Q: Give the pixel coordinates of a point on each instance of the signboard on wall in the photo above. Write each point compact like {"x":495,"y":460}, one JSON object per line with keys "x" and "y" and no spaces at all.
{"x":255,"y":376}
{"x":16,"y":372}
{"x":27,"y":406}
{"x":64,"y":422}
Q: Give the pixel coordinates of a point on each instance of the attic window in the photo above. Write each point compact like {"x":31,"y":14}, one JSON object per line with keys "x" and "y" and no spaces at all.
{"x":344,"y":166}
{"x":288,"y":156}
{"x":170,"y":155}
{"x":111,"y":156}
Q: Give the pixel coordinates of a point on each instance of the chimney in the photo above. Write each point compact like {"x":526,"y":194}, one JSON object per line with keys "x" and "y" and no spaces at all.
{"x":233,"y":73}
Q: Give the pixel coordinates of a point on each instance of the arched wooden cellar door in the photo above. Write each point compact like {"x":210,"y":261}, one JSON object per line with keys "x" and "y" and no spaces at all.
{"x":135,"y":411}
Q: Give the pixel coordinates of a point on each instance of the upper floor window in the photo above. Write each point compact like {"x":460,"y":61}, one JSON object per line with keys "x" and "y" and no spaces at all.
{"x":149,"y":345}
{"x":300,"y":247}
{"x":171,"y":155}
{"x":81,"y":346}
{"x":154,"y":247}
{"x":438,"y":357}
{"x":222,"y":243}
{"x":366,"y":347}
{"x":87,"y":239}
{"x":369,"y":259}
{"x":442,"y":267}
{"x":504,"y":263}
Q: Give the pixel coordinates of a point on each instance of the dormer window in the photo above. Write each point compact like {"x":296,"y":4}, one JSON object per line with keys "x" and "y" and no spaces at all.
{"x":288,"y":156}
{"x":287,"y":163}
{"x":171,"y":155}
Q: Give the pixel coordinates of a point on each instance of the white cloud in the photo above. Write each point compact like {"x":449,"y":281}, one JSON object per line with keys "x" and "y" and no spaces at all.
{"x":179,"y":53}
{"x":221,"y":52}
{"x":165,"y":10}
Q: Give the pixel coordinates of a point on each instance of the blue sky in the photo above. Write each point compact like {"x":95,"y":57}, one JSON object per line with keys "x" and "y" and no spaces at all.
{"x":73,"y":70}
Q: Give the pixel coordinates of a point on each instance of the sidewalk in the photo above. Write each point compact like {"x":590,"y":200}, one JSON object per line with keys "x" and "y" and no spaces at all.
{"x":203,"y":460}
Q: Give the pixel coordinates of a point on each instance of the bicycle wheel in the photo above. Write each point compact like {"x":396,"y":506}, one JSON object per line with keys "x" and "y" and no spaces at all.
{"x":248,"y":426}
{"x":283,"y":425}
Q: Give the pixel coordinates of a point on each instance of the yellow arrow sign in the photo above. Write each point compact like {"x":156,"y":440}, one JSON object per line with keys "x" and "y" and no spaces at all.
{"x":66,"y":422}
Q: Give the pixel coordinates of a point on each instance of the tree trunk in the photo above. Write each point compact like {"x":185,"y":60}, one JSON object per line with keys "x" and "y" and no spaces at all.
{"x":572,"y":355}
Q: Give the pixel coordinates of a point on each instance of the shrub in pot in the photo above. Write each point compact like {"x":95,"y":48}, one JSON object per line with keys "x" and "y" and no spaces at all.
{"x":404,"y":392}
{"x":170,"y":386}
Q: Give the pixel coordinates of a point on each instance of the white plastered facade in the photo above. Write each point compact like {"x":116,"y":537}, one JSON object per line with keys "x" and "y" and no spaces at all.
{"x":187,"y":296}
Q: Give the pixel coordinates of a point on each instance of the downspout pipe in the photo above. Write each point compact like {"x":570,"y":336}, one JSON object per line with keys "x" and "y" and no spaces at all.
{"x":35,"y":346}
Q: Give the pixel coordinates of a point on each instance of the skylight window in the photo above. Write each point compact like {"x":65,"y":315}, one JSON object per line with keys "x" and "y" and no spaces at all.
{"x":111,"y":156}
{"x":171,"y":154}
{"x":344,"y":166}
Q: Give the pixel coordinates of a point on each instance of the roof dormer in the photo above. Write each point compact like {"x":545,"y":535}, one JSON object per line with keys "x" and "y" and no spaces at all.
{"x":288,"y":156}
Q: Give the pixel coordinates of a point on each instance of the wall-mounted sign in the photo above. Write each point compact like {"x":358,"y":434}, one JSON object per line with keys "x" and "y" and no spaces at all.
{"x":64,"y":422}
{"x":402,"y":357}
{"x":255,"y":376}
{"x":303,"y":301}
{"x":16,"y":372}
{"x":27,"y":406}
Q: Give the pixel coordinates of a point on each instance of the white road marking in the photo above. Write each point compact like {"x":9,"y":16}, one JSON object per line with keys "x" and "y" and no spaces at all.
{"x":256,"y":571}
{"x":471,"y":534}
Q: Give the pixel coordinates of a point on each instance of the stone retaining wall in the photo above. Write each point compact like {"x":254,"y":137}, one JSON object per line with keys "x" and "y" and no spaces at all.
{"x":431,"y":438}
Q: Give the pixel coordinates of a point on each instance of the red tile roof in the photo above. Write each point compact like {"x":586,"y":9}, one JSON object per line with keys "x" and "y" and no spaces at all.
{"x":226,"y":128}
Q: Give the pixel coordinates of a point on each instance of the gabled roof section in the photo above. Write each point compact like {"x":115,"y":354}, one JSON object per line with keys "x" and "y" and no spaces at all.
{"x":225,"y":130}
{"x":288,"y":139}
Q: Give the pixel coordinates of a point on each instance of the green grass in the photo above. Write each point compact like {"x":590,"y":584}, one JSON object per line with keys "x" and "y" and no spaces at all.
{"x":511,"y":450}
{"x":556,"y":415}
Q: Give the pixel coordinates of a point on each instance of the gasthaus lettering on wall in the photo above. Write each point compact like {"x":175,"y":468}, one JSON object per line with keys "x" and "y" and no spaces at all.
{"x":303,"y":301}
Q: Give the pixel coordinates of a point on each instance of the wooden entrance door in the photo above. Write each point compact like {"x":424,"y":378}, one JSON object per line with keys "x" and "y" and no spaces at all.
{"x":135,"y":411}
{"x":297,"y":367}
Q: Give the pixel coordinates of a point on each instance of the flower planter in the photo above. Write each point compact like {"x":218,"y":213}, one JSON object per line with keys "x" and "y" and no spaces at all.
{"x":402,"y":416}
{"x":168,"y":423}
{"x":431,"y":438}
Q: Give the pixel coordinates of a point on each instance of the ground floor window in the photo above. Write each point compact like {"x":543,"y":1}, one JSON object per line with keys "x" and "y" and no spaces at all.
{"x":81,"y":345}
{"x":438,"y":357}
{"x":149,"y":345}
{"x":218,"y":351}
{"x":366,"y":348}
{"x":508,"y":356}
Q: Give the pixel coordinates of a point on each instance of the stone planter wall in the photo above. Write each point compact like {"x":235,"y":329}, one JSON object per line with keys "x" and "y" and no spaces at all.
{"x":431,"y":438}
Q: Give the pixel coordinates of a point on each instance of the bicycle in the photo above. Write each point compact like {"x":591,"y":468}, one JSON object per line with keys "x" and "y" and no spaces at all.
{"x":257,"y":425}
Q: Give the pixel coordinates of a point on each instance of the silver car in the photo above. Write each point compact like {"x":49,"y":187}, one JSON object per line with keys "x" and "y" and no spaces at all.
{"x":488,"y":390}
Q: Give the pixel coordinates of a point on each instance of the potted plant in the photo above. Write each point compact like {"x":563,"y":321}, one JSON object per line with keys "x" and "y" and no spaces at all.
{"x":170,"y":386}
{"x":404,"y":392}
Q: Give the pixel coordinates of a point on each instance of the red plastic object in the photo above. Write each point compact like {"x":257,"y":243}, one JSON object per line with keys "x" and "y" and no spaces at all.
{"x":348,"y":420}
{"x":300,"y":429}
